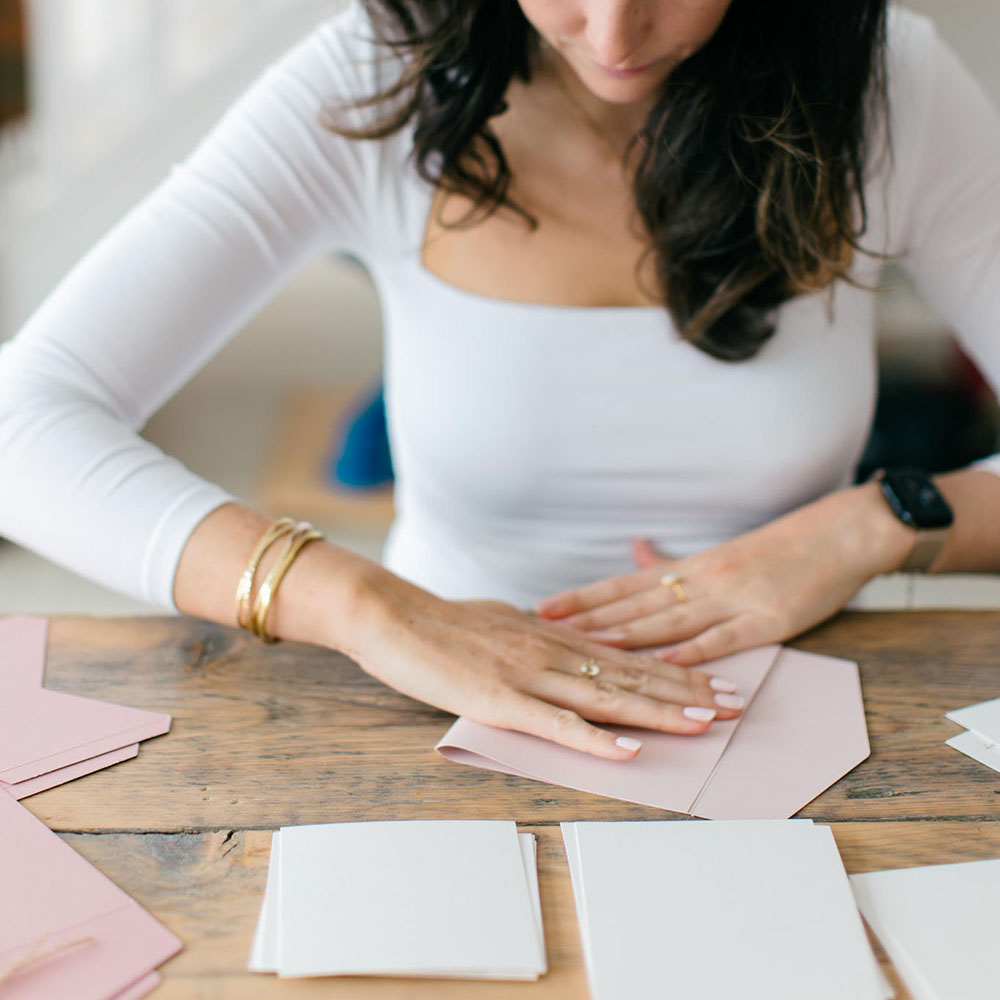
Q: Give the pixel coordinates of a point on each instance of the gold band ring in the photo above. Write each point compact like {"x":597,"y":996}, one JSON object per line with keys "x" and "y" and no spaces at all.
{"x":590,"y":668}
{"x":673,"y":581}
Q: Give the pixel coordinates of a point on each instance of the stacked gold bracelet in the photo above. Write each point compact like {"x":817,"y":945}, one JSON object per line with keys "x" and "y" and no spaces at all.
{"x":252,"y":612}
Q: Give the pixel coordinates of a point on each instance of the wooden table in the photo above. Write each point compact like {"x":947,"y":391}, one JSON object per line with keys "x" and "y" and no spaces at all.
{"x":271,"y":736}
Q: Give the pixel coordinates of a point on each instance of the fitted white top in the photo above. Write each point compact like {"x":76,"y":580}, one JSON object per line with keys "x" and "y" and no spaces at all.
{"x":531,"y":442}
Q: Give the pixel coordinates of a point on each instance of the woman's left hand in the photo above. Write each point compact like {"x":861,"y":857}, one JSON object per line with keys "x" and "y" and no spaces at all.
{"x":765,"y":586}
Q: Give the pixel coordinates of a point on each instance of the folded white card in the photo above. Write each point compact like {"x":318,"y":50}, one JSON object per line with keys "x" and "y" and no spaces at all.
{"x":449,"y":899}
{"x":983,"y":719}
{"x":940,"y":925}
{"x":264,"y":951}
{"x":756,"y":909}
{"x":984,"y":751}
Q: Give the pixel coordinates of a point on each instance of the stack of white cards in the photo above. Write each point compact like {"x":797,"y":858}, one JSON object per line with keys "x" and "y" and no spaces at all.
{"x":755,"y":909}
{"x":940,"y":925}
{"x":444,"y":899}
{"x":981,"y":740}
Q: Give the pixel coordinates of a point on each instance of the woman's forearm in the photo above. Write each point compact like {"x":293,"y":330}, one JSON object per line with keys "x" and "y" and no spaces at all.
{"x":876,"y":541}
{"x":973,"y":544}
{"x":327,"y":597}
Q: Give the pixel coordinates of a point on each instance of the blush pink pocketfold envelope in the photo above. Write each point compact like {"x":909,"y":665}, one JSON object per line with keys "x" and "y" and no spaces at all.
{"x":52,"y":896}
{"x":49,"y":733}
{"x":803,"y":729}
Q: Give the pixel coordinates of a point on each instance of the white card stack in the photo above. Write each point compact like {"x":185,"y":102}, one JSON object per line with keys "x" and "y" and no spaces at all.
{"x":455,"y":899}
{"x":940,"y":925}
{"x":746,"y":910}
{"x":981,"y":740}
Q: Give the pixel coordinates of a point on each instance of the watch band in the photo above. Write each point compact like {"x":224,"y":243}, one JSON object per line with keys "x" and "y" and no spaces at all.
{"x":929,"y":543}
{"x":917,"y":502}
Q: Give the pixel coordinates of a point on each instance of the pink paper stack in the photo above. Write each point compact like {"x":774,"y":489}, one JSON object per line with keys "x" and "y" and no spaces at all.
{"x":47,"y":737}
{"x":66,"y":931}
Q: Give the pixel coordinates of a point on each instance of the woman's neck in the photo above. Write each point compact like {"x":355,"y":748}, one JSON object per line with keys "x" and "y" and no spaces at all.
{"x":615,"y":126}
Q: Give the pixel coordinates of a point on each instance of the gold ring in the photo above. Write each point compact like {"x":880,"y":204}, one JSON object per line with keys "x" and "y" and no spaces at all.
{"x":590,"y":668}
{"x":673,"y":581}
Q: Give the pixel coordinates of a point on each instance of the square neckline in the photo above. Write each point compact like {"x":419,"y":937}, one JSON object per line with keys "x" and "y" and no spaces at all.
{"x":423,"y":218}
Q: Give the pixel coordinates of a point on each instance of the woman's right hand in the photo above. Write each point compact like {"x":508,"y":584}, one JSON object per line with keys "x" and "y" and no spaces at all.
{"x":503,"y":667}
{"x":484,"y":660}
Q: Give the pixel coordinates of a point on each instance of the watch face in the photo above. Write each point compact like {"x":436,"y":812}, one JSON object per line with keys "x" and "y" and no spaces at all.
{"x":915,"y":499}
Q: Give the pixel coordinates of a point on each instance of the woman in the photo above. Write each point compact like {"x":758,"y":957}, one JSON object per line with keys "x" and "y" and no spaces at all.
{"x":624,"y":252}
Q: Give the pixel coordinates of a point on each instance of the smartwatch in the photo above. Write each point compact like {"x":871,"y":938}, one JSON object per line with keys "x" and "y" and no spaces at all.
{"x":918,"y":503}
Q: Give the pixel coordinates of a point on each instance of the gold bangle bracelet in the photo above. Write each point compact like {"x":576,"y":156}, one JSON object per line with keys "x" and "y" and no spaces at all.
{"x":304,"y":534}
{"x":244,"y":588}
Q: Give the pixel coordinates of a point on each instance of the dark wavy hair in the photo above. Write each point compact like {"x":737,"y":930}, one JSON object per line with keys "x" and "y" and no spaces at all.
{"x":751,"y":166}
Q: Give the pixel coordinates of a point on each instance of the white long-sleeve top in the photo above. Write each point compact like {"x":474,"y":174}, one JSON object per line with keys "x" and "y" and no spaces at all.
{"x":531,"y":442}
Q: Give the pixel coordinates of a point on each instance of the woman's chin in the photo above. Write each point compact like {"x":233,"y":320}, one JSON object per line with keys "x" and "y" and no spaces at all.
{"x":616,"y":86}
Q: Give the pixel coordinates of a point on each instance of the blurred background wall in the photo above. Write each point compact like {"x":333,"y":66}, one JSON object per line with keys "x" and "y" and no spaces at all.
{"x":113,"y":91}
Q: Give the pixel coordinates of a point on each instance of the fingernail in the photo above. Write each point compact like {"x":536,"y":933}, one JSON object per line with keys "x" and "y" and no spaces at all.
{"x":730,"y":700}
{"x":607,"y":634}
{"x":721,"y":684}
{"x":627,"y":743}
{"x":699,"y":714}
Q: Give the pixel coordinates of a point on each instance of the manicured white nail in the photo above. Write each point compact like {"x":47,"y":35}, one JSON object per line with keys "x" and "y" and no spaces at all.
{"x":699,"y":714}
{"x":730,"y":700}
{"x":721,"y":684}
{"x":627,"y":743}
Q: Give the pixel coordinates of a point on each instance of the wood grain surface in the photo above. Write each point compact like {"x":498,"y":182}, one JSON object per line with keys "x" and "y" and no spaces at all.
{"x":266,"y":736}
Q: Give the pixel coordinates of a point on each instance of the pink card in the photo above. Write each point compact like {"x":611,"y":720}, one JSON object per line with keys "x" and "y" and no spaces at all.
{"x":804,"y":729}
{"x":22,"y":652}
{"x":53,"y":897}
{"x":42,"y":731}
{"x":50,"y":779}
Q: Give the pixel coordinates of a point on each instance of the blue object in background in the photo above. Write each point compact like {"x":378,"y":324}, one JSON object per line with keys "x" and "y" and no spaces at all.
{"x":363,"y":460}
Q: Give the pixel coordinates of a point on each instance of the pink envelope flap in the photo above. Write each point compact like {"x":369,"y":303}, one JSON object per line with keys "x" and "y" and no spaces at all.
{"x":41,"y":730}
{"x":805,"y":730}
{"x":22,"y":789}
{"x":668,"y":773}
{"x":52,"y":895}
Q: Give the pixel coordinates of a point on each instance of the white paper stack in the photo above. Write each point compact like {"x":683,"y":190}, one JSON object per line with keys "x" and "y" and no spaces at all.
{"x":746,"y":910}
{"x":981,"y":741}
{"x":940,"y":925}
{"x":455,"y":899}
